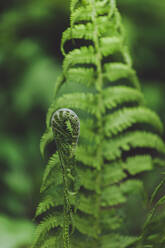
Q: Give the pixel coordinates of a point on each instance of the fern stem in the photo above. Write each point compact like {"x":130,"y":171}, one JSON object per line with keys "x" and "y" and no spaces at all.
{"x":67,"y":208}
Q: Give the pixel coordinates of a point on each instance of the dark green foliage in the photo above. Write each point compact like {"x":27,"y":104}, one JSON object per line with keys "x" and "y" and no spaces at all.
{"x":119,"y":136}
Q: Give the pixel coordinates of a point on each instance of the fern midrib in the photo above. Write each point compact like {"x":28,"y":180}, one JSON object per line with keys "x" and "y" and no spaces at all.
{"x":99,"y":86}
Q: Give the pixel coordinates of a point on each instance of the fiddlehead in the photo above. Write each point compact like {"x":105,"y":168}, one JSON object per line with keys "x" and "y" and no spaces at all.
{"x":66,"y":127}
{"x":60,"y":183}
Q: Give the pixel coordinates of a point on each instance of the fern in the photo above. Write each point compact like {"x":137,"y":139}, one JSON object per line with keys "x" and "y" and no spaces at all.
{"x":120,"y":138}
{"x":151,"y":235}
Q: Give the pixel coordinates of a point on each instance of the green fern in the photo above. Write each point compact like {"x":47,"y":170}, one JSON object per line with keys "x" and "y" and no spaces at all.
{"x":151,"y":235}
{"x":119,"y":136}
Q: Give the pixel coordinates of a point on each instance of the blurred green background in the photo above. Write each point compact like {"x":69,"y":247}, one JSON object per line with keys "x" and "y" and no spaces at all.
{"x":30,"y":61}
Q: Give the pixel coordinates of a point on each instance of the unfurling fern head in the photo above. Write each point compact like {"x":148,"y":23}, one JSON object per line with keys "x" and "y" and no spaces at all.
{"x":66,"y":127}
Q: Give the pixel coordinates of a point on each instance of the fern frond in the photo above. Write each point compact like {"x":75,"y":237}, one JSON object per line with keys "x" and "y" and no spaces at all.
{"x":125,"y":118}
{"x":52,"y":173}
{"x":109,"y":27}
{"x":120,"y":95}
{"x":45,"y":205}
{"x":138,"y":164}
{"x":112,"y":196}
{"x":87,"y":156}
{"x":115,"y":71}
{"x":131,"y":186}
{"x":109,"y":220}
{"x":87,"y":178}
{"x":81,"y":222}
{"x":84,"y":55}
{"x":89,"y":136}
{"x":110,"y":45}
{"x":45,"y":226}
{"x":81,"y":75}
{"x":73,"y":101}
{"x":119,"y":137}
{"x":83,"y":13}
{"x":51,"y":200}
{"x":113,"y":173}
{"x":77,"y":101}
{"x":87,"y":204}
{"x":113,"y":149}
{"x":79,"y":31}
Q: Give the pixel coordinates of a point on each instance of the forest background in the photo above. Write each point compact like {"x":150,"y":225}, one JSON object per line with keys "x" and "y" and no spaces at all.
{"x":30,"y":61}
